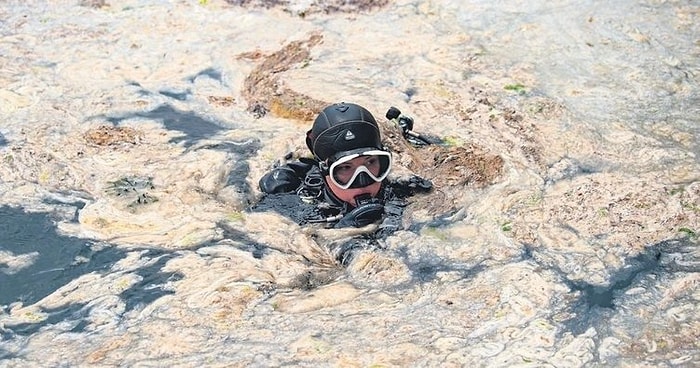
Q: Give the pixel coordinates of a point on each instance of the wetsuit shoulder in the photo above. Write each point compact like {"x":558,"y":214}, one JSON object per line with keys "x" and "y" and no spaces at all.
{"x":286,"y":178}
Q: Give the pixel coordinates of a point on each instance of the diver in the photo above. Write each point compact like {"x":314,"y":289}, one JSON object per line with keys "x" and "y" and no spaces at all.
{"x":346,"y":183}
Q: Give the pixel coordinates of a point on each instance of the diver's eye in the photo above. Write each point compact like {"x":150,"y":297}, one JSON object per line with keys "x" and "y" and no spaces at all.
{"x":343,"y":168}
{"x":373,"y":160}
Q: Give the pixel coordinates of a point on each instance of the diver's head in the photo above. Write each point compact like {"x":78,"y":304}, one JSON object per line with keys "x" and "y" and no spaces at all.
{"x":345,"y":139}
{"x":342,"y":127}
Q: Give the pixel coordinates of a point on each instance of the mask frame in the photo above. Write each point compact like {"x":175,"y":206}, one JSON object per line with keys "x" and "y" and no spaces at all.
{"x":385,"y":163}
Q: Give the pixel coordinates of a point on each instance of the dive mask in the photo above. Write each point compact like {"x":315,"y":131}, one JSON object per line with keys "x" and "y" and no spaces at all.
{"x":359,"y":168}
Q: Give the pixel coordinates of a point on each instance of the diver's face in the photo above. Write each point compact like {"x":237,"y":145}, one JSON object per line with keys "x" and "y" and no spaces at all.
{"x":345,"y":171}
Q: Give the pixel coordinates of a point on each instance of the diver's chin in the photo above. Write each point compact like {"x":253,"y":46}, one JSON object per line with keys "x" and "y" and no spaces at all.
{"x":348,"y":195}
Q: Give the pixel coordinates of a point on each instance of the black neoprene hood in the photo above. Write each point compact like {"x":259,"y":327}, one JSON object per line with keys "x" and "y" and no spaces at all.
{"x":342,"y":127}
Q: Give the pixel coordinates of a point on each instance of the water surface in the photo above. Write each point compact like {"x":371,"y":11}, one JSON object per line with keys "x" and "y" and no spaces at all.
{"x":129,"y":157}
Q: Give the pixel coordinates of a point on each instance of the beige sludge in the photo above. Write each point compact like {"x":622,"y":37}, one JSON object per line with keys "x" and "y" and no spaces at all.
{"x":562,"y":231}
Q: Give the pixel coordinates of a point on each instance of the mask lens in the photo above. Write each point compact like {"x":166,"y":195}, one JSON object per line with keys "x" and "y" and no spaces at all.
{"x":376,"y":164}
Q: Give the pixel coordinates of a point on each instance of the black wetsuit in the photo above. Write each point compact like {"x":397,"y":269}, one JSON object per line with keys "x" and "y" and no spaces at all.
{"x":298,"y":191}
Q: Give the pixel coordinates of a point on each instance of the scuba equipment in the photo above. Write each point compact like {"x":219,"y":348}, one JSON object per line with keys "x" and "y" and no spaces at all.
{"x":369,"y":209}
{"x":348,"y":156}
{"x":358,"y":168}
{"x":406,"y":124}
{"x":312,"y":186}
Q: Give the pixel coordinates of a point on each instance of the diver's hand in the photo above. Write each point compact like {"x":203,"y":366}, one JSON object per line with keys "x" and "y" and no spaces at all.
{"x":362,"y":215}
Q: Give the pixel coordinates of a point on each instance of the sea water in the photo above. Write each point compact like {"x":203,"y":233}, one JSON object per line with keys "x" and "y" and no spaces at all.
{"x":130,"y":154}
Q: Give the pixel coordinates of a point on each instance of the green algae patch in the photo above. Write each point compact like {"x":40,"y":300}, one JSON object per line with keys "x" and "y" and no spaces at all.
{"x":517,"y":87}
{"x":689,"y":232}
